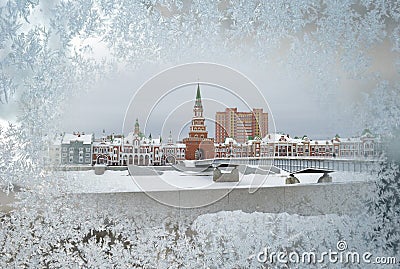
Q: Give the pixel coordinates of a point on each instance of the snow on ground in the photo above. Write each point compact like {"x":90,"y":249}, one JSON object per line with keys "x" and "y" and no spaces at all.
{"x":121,"y":181}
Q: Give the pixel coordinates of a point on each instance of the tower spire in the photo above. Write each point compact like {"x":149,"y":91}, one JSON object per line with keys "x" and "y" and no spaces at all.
{"x":198,"y":145}
{"x":198,"y":97}
{"x":170,"y":138}
{"x":198,"y":107}
{"x":137,"y":129}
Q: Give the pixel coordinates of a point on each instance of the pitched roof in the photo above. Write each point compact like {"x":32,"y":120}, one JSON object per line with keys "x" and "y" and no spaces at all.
{"x":198,"y":95}
{"x":87,"y":139}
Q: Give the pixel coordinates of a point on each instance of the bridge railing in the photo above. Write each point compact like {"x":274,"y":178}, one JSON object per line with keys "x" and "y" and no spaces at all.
{"x":294,"y":164}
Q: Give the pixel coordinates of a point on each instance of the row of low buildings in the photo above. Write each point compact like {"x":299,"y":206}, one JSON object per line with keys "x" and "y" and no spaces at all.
{"x":137,"y":149}
{"x":238,"y":135}
{"x":281,"y":145}
{"x":245,"y":134}
{"x":115,"y":150}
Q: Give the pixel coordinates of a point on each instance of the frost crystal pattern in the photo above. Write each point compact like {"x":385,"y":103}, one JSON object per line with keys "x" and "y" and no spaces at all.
{"x":53,"y":50}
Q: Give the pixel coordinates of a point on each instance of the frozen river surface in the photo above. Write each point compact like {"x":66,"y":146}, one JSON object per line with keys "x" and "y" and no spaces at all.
{"x":121,"y":181}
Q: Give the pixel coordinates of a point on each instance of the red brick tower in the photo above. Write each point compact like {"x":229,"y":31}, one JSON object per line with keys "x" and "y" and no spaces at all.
{"x":198,"y":145}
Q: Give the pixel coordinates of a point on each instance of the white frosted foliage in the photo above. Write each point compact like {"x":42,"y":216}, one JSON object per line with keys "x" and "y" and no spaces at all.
{"x":51,"y":51}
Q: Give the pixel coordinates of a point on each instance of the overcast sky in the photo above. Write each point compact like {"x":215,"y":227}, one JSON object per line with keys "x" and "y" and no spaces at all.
{"x":294,"y":106}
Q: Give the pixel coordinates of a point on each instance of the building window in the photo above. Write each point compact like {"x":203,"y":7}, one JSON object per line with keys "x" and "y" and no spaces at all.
{"x":87,"y":149}
{"x":87,"y":160}
{"x":64,"y":149}
{"x":87,"y":155}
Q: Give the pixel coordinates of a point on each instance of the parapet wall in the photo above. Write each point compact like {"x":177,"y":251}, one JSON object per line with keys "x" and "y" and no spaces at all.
{"x":311,"y":199}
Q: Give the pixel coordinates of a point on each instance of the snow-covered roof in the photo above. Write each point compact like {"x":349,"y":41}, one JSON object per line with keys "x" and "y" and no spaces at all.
{"x":100,"y":143}
{"x":156,"y":141}
{"x":321,"y":142}
{"x":229,"y":140}
{"x":272,"y":137}
{"x":107,"y":143}
{"x":350,"y":140}
{"x":175,"y":145}
{"x":297,"y":140}
{"x":87,"y":139}
{"x":283,"y":138}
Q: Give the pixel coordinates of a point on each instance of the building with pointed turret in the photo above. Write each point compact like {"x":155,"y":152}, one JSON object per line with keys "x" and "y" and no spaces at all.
{"x":137,"y":149}
{"x":198,"y":144}
{"x":107,"y":149}
{"x":140,"y":150}
{"x":173,"y":152}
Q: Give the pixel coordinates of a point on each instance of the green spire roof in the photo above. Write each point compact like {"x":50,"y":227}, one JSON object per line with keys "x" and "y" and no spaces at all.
{"x":137,"y":122}
{"x":366,"y":131}
{"x":198,"y":96}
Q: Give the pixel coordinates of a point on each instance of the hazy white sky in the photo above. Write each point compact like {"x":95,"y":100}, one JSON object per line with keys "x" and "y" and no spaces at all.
{"x":295,"y":105}
{"x":296,"y":109}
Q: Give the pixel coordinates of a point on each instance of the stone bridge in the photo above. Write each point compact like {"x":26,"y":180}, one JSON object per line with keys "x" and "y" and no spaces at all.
{"x":298,"y":164}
